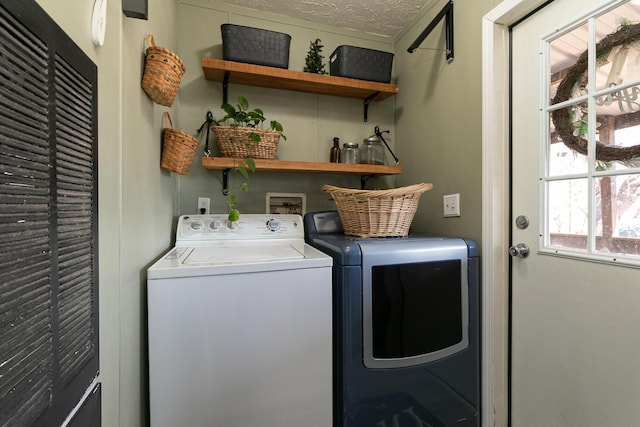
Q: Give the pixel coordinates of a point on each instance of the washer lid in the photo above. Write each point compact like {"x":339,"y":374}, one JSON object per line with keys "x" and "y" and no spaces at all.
{"x":237,"y":258}
{"x":240,"y":253}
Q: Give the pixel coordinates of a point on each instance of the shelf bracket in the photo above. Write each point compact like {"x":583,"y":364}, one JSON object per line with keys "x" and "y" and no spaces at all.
{"x":225,"y":87}
{"x":364,"y":179}
{"x":367,"y":101}
{"x":447,"y":14}
{"x":225,"y":181}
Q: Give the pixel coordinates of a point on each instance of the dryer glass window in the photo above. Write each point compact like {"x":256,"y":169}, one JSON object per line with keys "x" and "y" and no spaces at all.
{"x":416,"y":308}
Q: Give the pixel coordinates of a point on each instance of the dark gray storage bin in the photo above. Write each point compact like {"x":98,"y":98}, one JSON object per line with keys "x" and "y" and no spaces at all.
{"x":255,"y":46}
{"x":360,"y":63}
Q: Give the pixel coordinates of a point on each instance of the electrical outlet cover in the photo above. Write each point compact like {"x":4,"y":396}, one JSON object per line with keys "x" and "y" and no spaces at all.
{"x":451,"y":204}
{"x":204,"y":203}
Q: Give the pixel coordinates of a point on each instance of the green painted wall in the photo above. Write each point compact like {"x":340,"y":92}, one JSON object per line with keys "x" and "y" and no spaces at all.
{"x":438,"y":118}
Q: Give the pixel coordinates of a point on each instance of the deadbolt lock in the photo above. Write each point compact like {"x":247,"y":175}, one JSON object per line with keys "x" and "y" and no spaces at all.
{"x":522,"y":222}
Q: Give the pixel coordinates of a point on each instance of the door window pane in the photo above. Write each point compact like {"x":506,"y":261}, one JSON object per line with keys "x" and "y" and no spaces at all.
{"x":618,"y":65}
{"x":562,"y":160}
{"x":568,"y":213}
{"x":564,"y":52}
{"x":618,"y":213}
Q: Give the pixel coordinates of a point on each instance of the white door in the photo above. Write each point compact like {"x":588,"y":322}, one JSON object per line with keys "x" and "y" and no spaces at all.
{"x":575,"y":337}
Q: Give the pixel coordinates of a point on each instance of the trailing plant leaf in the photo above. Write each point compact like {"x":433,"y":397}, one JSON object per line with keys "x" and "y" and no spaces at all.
{"x":243,"y":171}
{"x":243,"y":104}
{"x":234,"y":215}
{"x":277,"y":126}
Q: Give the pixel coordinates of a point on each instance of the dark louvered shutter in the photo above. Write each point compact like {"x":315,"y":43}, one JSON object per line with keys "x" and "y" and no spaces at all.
{"x":48,"y":219}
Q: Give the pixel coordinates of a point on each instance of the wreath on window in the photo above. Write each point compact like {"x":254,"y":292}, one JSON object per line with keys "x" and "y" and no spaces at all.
{"x":562,"y":118}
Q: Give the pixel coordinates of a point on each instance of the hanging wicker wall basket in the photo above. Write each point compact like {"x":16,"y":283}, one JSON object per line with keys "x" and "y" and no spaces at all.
{"x":178,"y":148}
{"x":163,"y":71}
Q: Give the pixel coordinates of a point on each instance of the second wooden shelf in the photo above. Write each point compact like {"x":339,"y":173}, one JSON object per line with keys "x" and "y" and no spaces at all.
{"x":293,"y":166}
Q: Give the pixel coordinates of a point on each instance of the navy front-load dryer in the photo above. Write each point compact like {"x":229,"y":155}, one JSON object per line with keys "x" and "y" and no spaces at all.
{"x":406,"y":328}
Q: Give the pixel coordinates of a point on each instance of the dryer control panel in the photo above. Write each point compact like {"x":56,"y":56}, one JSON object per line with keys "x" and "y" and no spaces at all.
{"x":202,"y":228}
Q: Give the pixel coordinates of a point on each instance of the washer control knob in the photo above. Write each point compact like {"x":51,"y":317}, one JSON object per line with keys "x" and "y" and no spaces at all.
{"x":196,"y":225}
{"x":215,"y":224}
{"x":273,"y":224}
{"x":232,"y":225}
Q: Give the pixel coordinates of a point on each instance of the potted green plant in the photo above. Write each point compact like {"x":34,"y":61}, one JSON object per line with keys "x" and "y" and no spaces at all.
{"x":241,"y":134}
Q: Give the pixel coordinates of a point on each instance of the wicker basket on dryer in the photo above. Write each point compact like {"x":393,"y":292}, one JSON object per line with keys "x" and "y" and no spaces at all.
{"x":377,"y":213}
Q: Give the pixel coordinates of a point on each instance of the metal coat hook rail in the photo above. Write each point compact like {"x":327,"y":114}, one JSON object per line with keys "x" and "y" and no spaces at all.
{"x":447,"y":14}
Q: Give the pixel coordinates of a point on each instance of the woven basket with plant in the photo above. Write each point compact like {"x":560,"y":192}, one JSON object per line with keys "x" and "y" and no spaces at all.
{"x":240,"y":142}
{"x":241,"y":134}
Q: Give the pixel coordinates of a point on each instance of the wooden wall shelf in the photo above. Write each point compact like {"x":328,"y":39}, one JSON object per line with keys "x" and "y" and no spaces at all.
{"x":278,"y":78}
{"x":291,"y":166}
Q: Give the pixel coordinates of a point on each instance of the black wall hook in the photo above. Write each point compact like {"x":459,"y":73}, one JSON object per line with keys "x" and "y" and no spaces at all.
{"x":447,"y":13}
{"x":207,"y":122}
{"x":379,"y":135}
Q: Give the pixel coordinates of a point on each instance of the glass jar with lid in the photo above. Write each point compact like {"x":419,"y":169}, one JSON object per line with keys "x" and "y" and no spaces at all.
{"x":372,"y":152}
{"x":349,"y":153}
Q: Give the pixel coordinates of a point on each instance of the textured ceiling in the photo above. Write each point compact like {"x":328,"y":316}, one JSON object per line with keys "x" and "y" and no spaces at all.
{"x":386,"y":17}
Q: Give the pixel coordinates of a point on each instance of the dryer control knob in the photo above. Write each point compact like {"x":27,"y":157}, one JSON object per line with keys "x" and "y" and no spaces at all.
{"x":273,"y":224}
{"x":215,"y":224}
{"x":196,"y":225}
{"x":232,"y":225}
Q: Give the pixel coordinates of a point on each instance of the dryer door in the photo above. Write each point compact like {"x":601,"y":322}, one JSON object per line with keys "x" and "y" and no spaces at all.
{"x":415,"y":301}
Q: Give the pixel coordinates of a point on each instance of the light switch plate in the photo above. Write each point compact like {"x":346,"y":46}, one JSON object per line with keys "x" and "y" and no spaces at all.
{"x":451,"y":204}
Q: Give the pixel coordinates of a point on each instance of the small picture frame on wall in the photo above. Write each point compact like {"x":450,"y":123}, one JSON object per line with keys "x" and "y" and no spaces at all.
{"x":286,"y":203}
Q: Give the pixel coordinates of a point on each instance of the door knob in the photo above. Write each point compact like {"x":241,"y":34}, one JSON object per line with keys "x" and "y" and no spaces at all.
{"x":521,"y":250}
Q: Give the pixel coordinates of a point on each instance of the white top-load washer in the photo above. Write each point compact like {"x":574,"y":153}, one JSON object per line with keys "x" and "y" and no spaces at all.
{"x":240,"y":326}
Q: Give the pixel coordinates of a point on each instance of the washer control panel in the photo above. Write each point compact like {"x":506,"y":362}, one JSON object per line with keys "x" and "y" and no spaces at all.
{"x":249,"y":226}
